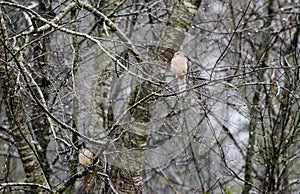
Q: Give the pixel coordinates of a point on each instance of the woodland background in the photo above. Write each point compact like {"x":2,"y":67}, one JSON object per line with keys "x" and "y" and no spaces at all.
{"x":96,"y":74}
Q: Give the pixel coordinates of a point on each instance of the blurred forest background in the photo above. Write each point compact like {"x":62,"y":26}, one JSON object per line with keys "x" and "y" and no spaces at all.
{"x":78,"y":75}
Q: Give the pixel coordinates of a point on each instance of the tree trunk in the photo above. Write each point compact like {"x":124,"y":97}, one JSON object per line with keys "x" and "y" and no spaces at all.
{"x":16,"y":116}
{"x":179,"y":20}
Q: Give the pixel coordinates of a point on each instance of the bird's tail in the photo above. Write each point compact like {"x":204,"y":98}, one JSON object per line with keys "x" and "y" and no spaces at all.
{"x":182,"y":85}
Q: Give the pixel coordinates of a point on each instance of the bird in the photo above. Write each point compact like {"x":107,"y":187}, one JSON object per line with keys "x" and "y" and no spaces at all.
{"x":272,"y":80}
{"x":85,"y":157}
{"x":179,"y":69}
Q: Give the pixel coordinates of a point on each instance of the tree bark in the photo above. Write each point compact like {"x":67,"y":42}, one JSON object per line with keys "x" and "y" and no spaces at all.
{"x":16,"y":116}
{"x":178,"y":24}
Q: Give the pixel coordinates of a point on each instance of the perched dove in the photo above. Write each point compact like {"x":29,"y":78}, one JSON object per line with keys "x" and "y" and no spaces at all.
{"x":179,"y":69}
{"x":85,"y":157}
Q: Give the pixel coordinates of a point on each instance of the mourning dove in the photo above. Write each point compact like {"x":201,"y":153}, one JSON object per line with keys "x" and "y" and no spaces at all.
{"x":85,"y":157}
{"x":272,"y":80}
{"x":179,"y":69}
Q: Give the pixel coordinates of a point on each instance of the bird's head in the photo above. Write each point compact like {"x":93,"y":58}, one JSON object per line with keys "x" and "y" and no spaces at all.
{"x":178,"y":53}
